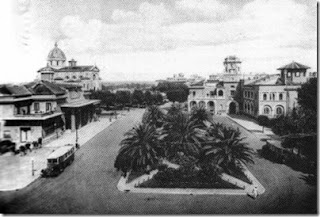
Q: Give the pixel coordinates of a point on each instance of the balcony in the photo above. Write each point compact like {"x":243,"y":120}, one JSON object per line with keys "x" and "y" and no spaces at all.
{"x":34,"y":116}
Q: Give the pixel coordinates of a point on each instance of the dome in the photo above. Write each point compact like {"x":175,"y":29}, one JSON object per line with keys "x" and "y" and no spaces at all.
{"x":56,"y":54}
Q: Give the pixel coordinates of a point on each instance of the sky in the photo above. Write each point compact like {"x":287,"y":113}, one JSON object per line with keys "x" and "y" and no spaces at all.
{"x":146,"y":40}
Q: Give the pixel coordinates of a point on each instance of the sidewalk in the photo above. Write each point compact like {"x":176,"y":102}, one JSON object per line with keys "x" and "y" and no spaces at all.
{"x":251,"y":126}
{"x":16,"y":170}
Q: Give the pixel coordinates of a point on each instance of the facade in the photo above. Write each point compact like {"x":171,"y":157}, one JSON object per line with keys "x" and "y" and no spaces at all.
{"x":275,"y":95}
{"x":57,"y":70}
{"x":218,"y":93}
{"x":42,"y":109}
{"x":27,"y":114}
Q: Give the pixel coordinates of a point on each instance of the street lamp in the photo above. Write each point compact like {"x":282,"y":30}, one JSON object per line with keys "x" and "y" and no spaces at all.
{"x":32,"y":167}
{"x":77,"y":138}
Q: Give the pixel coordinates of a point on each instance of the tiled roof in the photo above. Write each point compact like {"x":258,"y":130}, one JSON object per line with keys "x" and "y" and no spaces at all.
{"x":294,"y":65}
{"x":14,"y":90}
{"x":76,"y":68}
{"x":45,"y":88}
{"x":47,"y":68}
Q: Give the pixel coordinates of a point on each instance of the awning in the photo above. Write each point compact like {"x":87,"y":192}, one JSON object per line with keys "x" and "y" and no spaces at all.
{"x":33,"y":117}
{"x":80,"y":103}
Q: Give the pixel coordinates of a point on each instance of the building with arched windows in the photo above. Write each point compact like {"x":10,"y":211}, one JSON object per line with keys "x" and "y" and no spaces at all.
{"x":217,"y":94}
{"x":275,"y":95}
{"x":57,"y":70}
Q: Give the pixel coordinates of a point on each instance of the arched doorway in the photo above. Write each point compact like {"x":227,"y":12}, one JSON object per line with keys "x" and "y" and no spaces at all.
{"x":232,"y":108}
{"x":193,"y":104}
{"x":202,"y":104}
{"x":211,"y":106}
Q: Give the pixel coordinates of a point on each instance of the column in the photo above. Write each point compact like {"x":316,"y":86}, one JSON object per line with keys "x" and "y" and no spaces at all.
{"x":73,"y":121}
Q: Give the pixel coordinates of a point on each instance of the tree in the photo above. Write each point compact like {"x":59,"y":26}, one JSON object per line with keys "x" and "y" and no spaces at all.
{"x":200,"y":115}
{"x":139,"y":150}
{"x":148,"y":98}
{"x":158,"y":98}
{"x":153,"y":116}
{"x":137,"y":97}
{"x":181,"y":134}
{"x":227,"y":149}
{"x":123,"y":97}
{"x":178,"y":95}
{"x":107,"y":98}
{"x":263,"y":121}
{"x":308,"y":95}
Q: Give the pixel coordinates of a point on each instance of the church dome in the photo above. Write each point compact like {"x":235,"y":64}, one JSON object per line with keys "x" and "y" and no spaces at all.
{"x":56,"y":54}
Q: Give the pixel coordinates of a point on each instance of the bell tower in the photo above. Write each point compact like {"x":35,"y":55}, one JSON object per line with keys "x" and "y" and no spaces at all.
{"x":232,"y":65}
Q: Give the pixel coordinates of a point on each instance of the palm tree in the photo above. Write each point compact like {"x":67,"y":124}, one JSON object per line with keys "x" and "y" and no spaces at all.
{"x":219,"y":131}
{"x":200,"y":115}
{"x":153,"y":116}
{"x":226,"y":148}
{"x":139,"y":150}
{"x":175,"y":109}
{"x":181,"y":134}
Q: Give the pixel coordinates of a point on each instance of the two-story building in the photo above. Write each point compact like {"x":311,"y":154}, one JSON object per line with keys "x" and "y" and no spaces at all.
{"x":43,"y":109}
{"x":275,"y":95}
{"x":30,"y":112}
{"x":217,"y":94}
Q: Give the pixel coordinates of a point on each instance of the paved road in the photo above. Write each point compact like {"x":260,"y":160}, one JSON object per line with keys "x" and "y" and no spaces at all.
{"x":88,"y":186}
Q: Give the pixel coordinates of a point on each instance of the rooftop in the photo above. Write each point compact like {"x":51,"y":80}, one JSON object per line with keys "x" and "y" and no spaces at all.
{"x":294,"y":65}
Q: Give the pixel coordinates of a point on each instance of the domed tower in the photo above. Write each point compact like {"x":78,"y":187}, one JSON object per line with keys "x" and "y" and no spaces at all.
{"x":56,"y":57}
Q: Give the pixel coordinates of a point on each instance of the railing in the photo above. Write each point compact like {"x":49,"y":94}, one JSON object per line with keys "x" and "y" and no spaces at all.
{"x":37,"y":114}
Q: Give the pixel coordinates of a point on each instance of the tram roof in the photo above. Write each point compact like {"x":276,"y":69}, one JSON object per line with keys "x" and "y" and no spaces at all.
{"x":60,"y":151}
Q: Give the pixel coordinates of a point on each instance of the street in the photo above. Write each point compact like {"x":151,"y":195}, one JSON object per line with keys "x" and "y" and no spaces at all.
{"x":88,"y":186}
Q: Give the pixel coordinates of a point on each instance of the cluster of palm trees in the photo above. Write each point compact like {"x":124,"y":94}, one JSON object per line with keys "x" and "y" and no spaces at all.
{"x":175,"y":134}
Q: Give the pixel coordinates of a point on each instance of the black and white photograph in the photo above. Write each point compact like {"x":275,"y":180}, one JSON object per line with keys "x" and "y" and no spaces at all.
{"x":159,"y":107}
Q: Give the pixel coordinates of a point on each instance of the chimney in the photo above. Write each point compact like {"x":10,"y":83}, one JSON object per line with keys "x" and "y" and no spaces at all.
{"x":72,"y":63}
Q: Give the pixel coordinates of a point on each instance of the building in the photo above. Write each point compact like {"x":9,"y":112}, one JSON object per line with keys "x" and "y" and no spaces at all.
{"x":59,"y":71}
{"x":275,"y":95}
{"x":30,"y":112}
{"x":43,"y":109}
{"x":177,"y":78}
{"x":218,"y":93}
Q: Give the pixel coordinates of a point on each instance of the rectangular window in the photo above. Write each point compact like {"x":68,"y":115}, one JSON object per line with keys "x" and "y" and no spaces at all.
{"x":289,"y":74}
{"x":6,"y":134}
{"x":36,"y":107}
{"x":48,"y":106}
{"x":232,"y":92}
{"x":297,"y":74}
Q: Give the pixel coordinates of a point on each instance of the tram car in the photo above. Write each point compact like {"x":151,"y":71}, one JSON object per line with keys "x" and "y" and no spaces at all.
{"x":58,"y":160}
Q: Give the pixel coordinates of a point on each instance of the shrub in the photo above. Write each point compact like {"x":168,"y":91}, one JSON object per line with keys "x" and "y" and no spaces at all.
{"x":263,"y":120}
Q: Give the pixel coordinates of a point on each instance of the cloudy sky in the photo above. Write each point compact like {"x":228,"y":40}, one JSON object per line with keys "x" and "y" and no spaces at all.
{"x":153,"y":39}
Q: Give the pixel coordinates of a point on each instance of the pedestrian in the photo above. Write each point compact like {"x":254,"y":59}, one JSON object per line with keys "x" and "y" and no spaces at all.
{"x":40,"y":142}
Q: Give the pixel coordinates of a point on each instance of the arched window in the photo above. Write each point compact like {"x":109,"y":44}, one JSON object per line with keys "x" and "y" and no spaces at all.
{"x":264,"y":96}
{"x":280,"y":96}
{"x":267,"y":110}
{"x":74,"y":77}
{"x":220,"y":93}
{"x":194,"y":93}
{"x":279,"y":110}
